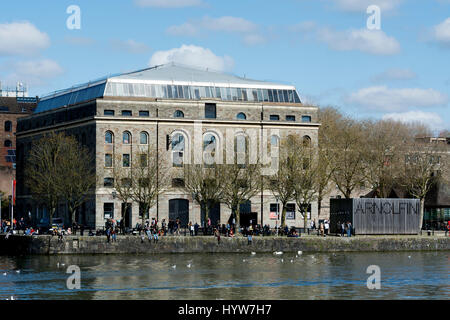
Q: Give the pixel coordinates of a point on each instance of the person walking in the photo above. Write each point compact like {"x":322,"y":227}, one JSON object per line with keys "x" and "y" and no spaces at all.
{"x":113,"y":234}
{"x":327,"y":227}
{"x":217,"y":235}
{"x":321,"y":228}
{"x":250,"y":238}
{"x":108,"y":234}
{"x":349,"y":229}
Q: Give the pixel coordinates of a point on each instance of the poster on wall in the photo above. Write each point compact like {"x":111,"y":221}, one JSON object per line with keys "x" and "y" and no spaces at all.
{"x":273,"y":216}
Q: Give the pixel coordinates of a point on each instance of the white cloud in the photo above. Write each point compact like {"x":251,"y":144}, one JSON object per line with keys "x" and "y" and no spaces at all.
{"x":441,"y":32}
{"x":369,"y":41}
{"x":431,"y":119}
{"x":395,"y":74}
{"x":130,"y":46}
{"x":382,"y":98}
{"x":168,"y":3}
{"x":361,"y":5}
{"x":193,"y":56}
{"x":33,"y":72}
{"x":21,"y":38}
{"x":248,"y":31}
{"x":79,"y":41}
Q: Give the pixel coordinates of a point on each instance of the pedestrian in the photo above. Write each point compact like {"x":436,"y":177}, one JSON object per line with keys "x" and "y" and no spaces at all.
{"x":163,"y":227}
{"x":249,"y":238}
{"x":217,"y":234}
{"x":196,"y":226}
{"x":343,"y":229}
{"x":108,"y":234}
{"x":155,"y":236}
{"x":192,"y":230}
{"x":349,"y":229}
{"x":149,"y":234}
{"x":321,"y":228}
{"x":113,"y":235}
{"x":327,"y":227}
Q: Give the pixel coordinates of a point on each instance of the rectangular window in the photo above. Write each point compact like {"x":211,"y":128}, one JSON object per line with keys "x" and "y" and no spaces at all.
{"x":273,"y":207}
{"x":108,"y":210}
{"x":285,"y":95}
{"x":274,"y":117}
{"x":108,"y":160}
{"x":306,"y":118}
{"x":127,"y":113}
{"x":210,"y":111}
{"x":144,"y":114}
{"x":108,"y":182}
{"x":109,"y":112}
{"x":290,"y":211}
{"x":143,"y":160}
{"x":177,"y":183}
{"x":265,"y":95}
{"x":126,"y":160}
{"x":290,"y":118}
{"x":269,"y":91}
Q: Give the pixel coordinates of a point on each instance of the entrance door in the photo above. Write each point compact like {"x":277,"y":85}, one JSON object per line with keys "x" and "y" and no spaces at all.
{"x":127,"y":214}
{"x":179,"y":209}
{"x":214,"y":215}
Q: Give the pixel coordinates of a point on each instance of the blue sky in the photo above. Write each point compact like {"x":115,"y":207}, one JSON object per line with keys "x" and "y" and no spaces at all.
{"x":323,"y":47}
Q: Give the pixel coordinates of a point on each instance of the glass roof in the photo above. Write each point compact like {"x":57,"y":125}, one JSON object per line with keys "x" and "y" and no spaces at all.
{"x":173,"y":81}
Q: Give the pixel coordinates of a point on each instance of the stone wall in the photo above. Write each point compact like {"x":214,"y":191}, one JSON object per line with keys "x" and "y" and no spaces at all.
{"x":47,"y":245}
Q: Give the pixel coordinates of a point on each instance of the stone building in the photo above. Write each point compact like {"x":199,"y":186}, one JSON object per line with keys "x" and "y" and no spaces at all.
{"x":11,"y":109}
{"x":174,"y":110}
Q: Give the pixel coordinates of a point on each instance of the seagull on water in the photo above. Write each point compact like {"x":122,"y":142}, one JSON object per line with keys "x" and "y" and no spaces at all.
{"x":174,"y":267}
{"x":189,"y":265}
{"x":299,"y":252}
{"x":253,"y":253}
{"x":282,"y":260}
{"x":278,"y":252}
{"x":4,"y":273}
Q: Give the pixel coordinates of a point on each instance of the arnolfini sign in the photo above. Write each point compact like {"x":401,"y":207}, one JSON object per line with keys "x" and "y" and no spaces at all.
{"x":376,"y":216}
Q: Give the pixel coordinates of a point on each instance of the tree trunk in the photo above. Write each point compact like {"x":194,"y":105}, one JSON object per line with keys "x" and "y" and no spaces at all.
{"x":283,"y":217}
{"x":238,"y":215}
{"x":319,"y":206}
{"x":422,"y":209}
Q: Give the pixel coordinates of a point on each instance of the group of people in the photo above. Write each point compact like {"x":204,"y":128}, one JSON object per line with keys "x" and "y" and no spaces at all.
{"x":323,"y":229}
{"x":345,"y":228}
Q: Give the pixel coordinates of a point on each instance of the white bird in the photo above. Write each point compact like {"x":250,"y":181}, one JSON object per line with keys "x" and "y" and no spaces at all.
{"x":292,"y":261}
{"x":278,"y":252}
{"x":409,"y":257}
{"x":18,"y":271}
{"x":63,"y":264}
{"x":243,"y":260}
{"x":189,"y":265}
{"x":174,"y":267}
{"x":4,"y":274}
{"x":57,"y":265}
{"x":253,"y":253}
{"x":299,"y":252}
{"x":282,"y":260}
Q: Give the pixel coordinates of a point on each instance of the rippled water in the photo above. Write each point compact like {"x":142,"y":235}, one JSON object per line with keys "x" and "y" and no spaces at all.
{"x":424,"y":275}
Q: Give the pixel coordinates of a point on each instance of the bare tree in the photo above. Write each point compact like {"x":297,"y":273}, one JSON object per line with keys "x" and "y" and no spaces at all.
{"x":239,"y":184}
{"x":281,"y":184}
{"x":424,"y":165}
{"x":204,"y":184}
{"x":59,"y":169}
{"x":122,"y":181}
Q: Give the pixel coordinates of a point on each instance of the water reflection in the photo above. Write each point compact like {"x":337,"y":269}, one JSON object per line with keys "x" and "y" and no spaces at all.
{"x":229,"y":276}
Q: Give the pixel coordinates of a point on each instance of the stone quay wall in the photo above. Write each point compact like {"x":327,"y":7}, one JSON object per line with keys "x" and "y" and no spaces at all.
{"x":48,"y":245}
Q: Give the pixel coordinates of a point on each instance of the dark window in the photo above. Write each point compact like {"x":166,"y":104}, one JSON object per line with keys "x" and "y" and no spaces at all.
{"x":306,"y":118}
{"x":178,"y":114}
{"x":126,"y":137}
{"x":3,"y":108}
{"x":273,"y":207}
{"x":241,"y":116}
{"x":290,"y":118}
{"x":290,"y":211}
{"x":143,"y":160}
{"x":109,"y":137}
{"x":177,"y":183}
{"x":108,"y":210}
{"x":8,"y":143}
{"x":108,"y":161}
{"x":108,"y":112}
{"x":210,"y":110}
{"x":144,"y":114}
{"x":274,"y":117}
{"x":127,"y":113}
{"x":306,"y":141}
{"x":8,"y":126}
{"x":108,"y":182}
{"x":126,"y":160}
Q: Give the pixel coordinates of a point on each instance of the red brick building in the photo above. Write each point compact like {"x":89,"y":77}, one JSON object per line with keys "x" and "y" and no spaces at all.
{"x":11,"y":108}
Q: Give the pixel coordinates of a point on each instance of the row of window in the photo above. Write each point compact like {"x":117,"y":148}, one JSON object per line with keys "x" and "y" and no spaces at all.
{"x":199,"y":92}
{"x":8,"y":144}
{"x":210,"y":113}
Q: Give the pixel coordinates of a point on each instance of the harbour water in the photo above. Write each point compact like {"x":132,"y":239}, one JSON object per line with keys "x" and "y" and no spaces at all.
{"x":404,"y":275}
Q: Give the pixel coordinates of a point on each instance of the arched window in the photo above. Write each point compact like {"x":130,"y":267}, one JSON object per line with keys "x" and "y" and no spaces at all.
{"x":209,"y":148}
{"x":8,"y":126}
{"x":306,"y":141}
{"x":8,"y":143}
{"x":241,"y":149}
{"x":109,"y":137}
{"x":126,"y":137}
{"x":241,"y":116}
{"x":274,"y":141}
{"x":144,"y":138}
{"x":178,"y":114}
{"x":178,"y":149}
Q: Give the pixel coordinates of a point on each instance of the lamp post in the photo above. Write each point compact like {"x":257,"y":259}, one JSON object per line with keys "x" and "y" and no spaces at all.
{"x":278,"y":212}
